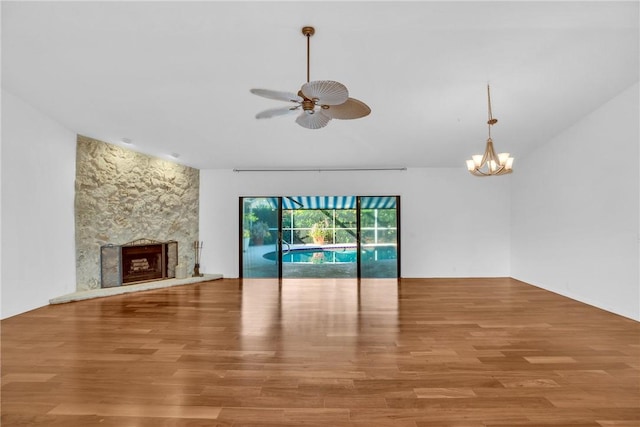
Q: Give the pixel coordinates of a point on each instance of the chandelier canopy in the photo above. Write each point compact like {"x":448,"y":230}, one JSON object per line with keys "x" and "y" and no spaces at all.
{"x":490,"y":163}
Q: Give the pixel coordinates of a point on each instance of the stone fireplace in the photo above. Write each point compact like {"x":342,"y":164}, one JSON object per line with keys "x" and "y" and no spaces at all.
{"x":139,"y":261}
{"x":123,"y":195}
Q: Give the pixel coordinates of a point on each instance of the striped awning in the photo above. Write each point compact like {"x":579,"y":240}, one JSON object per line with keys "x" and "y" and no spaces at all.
{"x":334,"y":202}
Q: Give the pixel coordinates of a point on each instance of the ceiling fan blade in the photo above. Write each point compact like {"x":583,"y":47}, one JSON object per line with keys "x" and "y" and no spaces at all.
{"x":274,"y":112}
{"x":277,"y":95}
{"x":352,"y":109}
{"x":316,"y":120}
{"x":327,"y":92}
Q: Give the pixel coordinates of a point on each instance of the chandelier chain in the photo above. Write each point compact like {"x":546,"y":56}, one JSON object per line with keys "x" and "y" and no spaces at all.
{"x":490,"y":120}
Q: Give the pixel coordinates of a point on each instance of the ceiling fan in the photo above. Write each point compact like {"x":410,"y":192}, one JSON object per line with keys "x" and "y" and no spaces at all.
{"x":317,"y":101}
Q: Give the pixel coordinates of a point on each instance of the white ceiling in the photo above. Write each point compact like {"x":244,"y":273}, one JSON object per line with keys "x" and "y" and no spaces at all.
{"x":174,"y":77}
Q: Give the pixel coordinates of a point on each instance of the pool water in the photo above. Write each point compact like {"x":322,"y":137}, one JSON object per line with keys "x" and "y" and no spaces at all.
{"x":335,"y":255}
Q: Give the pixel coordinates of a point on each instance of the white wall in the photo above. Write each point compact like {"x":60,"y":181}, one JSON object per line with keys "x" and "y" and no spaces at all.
{"x":452,"y":224}
{"x":38,"y":170}
{"x":575,"y":224}
{"x":575,"y":210}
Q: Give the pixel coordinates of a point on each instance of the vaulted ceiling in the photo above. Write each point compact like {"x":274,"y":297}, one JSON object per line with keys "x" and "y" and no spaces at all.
{"x":174,"y":77}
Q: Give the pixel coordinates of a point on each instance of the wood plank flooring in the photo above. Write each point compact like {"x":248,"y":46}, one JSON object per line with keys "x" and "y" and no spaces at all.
{"x":323,"y":352}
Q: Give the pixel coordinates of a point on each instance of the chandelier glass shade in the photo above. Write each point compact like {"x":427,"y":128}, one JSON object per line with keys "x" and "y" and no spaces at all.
{"x":490,"y":163}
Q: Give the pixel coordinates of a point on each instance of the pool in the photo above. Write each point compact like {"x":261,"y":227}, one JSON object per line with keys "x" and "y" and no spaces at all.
{"x":334,"y":255}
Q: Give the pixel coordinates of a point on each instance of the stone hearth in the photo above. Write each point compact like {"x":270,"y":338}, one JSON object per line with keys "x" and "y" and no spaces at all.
{"x":119,"y":290}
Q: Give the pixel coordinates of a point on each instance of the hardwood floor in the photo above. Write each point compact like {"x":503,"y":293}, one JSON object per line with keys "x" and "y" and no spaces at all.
{"x":323,"y":352}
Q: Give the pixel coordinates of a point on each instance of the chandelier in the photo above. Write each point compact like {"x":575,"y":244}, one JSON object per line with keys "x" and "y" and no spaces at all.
{"x":490,"y":163}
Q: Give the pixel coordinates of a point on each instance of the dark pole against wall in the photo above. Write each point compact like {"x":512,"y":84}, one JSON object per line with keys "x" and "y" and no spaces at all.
{"x":358,"y":236}
{"x":279,"y":241}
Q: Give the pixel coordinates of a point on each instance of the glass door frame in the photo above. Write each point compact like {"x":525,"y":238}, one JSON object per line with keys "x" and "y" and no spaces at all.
{"x":359,"y":234}
{"x":279,"y":238}
{"x":278,"y":243}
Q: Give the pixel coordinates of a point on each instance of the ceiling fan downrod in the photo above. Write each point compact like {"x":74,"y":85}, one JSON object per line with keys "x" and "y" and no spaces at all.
{"x":308,"y":32}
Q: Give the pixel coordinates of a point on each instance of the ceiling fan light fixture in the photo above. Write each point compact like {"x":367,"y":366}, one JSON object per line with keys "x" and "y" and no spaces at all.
{"x":490,"y":163}
{"x":326,"y":98}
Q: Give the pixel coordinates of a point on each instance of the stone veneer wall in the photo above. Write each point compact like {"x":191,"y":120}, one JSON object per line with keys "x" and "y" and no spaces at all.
{"x":122,"y":195}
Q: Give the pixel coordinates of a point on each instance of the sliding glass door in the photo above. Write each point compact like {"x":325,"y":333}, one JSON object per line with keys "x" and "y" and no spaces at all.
{"x":320,"y":237}
{"x":379,"y":237}
{"x":260,"y":219}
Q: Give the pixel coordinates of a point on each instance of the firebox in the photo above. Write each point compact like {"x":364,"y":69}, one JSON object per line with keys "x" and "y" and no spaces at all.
{"x":143,"y":262}
{"x":138,"y":261}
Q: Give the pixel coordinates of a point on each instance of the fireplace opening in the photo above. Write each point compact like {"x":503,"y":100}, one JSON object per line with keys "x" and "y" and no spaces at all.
{"x":142,"y":263}
{"x":142,"y":260}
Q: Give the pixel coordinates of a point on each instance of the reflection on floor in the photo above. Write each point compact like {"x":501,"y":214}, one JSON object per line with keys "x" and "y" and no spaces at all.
{"x":323,"y":352}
